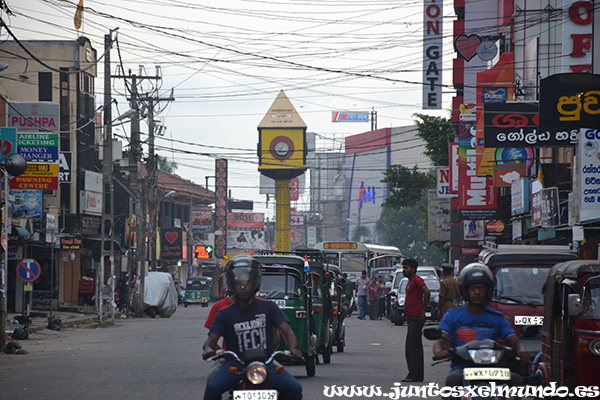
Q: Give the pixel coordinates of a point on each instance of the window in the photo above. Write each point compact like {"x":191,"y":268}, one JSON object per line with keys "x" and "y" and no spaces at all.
{"x":45,"y":86}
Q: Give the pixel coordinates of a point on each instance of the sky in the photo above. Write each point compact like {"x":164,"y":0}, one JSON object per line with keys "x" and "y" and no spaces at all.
{"x":227,"y":60}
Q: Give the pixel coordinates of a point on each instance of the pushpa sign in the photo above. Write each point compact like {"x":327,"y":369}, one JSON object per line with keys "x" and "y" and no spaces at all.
{"x":33,"y":115}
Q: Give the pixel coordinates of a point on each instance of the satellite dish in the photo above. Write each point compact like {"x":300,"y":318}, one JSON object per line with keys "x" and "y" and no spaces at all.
{"x":15,"y":164}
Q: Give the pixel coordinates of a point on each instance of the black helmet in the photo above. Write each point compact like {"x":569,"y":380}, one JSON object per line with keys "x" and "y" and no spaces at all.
{"x":476,"y":273}
{"x":242,"y":269}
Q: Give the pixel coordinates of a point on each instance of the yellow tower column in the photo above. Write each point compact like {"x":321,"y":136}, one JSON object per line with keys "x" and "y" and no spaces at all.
{"x":282,"y":226}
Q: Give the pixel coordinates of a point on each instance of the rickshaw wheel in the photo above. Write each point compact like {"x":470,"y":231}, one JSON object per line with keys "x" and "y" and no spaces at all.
{"x":185,"y":304}
{"x":311,"y":365}
{"x":340,"y":346}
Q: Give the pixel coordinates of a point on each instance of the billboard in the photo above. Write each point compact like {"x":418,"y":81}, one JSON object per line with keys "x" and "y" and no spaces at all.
{"x":349,"y":116}
{"x":28,"y":115}
{"x":246,"y":239}
{"x":432,"y":54}
{"x":246,"y":220}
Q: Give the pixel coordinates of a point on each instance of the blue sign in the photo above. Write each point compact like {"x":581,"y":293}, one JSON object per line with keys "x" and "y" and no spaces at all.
{"x":8,"y":140}
{"x":28,"y":270}
{"x":27,"y":203}
{"x":494,"y":95}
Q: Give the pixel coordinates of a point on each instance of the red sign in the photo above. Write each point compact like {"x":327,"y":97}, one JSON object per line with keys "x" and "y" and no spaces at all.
{"x":246,"y":220}
{"x":294,"y":189}
{"x":505,"y":174}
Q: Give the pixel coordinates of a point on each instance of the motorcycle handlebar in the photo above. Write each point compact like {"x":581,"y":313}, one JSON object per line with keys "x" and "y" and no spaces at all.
{"x":222,"y":353}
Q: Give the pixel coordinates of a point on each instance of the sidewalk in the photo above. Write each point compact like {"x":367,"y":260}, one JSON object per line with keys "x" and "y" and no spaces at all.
{"x":39,"y":320}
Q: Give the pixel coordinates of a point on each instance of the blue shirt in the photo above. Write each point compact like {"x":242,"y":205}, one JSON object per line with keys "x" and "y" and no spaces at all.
{"x":248,"y":328}
{"x":464,"y":327}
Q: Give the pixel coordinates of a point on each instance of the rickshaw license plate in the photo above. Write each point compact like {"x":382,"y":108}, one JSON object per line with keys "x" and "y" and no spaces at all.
{"x":529,"y":320}
{"x":280,"y":303}
{"x":486,"y":374}
{"x":255,"y":394}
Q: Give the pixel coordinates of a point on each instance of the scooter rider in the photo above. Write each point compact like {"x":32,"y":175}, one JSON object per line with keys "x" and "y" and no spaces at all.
{"x":248,"y":324}
{"x":475,"y":320}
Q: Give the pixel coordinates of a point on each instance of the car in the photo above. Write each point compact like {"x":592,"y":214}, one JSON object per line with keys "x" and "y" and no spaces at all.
{"x":425,"y":271}
{"x":399,"y":293}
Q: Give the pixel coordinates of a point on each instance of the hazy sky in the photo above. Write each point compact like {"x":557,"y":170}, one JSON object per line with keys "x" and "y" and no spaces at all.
{"x":226,"y":61}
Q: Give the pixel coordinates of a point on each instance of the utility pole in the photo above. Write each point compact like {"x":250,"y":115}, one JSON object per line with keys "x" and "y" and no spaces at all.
{"x":107,"y":187}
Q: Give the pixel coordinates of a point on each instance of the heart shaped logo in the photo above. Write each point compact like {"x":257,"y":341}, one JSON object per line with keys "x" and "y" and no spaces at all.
{"x":466,"y":46}
{"x":171,"y":236}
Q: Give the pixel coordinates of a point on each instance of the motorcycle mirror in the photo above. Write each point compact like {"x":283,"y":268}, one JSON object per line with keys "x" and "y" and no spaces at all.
{"x":530,"y":331}
{"x":432,"y":333}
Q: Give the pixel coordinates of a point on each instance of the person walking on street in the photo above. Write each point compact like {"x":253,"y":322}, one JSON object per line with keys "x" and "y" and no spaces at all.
{"x":373,"y":299}
{"x":449,"y":291}
{"x":417,"y":299}
{"x":382,"y":293}
{"x":361,"y":292}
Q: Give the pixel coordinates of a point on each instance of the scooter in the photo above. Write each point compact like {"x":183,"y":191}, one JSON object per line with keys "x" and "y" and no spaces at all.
{"x":254,"y":383}
{"x":485,"y":361}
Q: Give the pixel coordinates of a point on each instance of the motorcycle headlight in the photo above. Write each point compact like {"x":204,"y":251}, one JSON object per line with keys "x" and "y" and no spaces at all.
{"x":595,"y":347}
{"x":256,"y":373}
{"x":401,"y":301}
{"x":485,"y":356}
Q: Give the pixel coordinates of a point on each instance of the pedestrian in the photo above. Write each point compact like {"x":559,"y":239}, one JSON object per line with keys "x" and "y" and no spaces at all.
{"x":381,"y":285}
{"x":373,"y":299}
{"x":449,"y":291}
{"x":361,"y":292}
{"x":388,"y":289}
{"x":416,"y":301}
{"x":349,"y":294}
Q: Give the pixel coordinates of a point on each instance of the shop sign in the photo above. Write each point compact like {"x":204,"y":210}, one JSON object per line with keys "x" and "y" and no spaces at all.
{"x":27,"y":204}
{"x":349,"y":116}
{"x":577,"y":36}
{"x":41,"y":115}
{"x":432,"y":54}
{"x":506,"y":174}
{"x":512,"y":124}
{"x":90,"y":202}
{"x":443,"y":182}
{"x":587,"y":176}
{"x":246,"y":220}
{"x":70,"y":243}
{"x":171,"y":244}
{"x":37,"y":176}
{"x":65,"y":162}
{"x":201,"y":218}
{"x":519,"y":197}
{"x":38,"y":146}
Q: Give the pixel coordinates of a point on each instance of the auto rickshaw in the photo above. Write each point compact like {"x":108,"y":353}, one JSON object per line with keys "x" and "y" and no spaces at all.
{"x":198,"y":290}
{"x":285,"y":283}
{"x":321,"y":301}
{"x":335,"y":294}
{"x":571,"y":329}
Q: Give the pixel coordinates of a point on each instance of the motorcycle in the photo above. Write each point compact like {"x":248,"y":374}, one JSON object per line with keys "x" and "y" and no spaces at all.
{"x":254,"y":373}
{"x":486,"y":363}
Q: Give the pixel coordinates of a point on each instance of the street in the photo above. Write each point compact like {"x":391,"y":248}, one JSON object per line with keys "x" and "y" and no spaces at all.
{"x":161,"y":359}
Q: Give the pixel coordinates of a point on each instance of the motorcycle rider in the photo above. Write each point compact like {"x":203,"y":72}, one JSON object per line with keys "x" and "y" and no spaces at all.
{"x":248,"y":324}
{"x":475,"y":320}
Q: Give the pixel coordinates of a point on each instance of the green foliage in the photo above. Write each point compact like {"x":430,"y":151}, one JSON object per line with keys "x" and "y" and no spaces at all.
{"x":406,"y":186}
{"x":405,"y":229}
{"x":437,"y":132}
{"x":361,"y":234}
{"x":165,"y":165}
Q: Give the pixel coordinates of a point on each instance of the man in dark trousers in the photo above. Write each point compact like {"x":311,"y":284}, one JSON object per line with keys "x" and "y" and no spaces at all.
{"x":417,"y":299}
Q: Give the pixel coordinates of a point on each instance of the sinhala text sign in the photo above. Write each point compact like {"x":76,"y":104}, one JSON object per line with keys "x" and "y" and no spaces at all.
{"x":588,"y":172}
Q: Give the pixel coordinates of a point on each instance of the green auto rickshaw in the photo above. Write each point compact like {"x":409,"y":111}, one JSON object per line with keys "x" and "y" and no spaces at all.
{"x":198,"y":290}
{"x":284,"y":282}
{"x":335,"y":293}
{"x":321,"y":301}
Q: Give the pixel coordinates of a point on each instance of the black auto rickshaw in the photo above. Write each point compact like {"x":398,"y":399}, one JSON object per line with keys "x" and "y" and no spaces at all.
{"x":285,"y":283}
{"x":571,"y":328}
{"x":198,"y":291}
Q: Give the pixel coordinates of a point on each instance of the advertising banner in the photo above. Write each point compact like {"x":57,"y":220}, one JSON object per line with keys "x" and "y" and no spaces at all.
{"x":497,"y":229}
{"x":350,"y":116}
{"x":519,"y":196}
{"x":476,"y":194}
{"x":568,"y":102}
{"x":27,"y":204}
{"x":453,"y":153}
{"x":443,"y":182}
{"x":246,"y":239}
{"x":171,"y":244}
{"x":246,"y":220}
{"x":201,"y":218}
{"x":36,"y":115}
{"x":438,"y":220}
{"x":38,"y":146}
{"x":587,"y":176}
{"x":506,"y":174}
{"x":512,"y":124}
{"x":432,"y":54}
{"x":37,"y":176}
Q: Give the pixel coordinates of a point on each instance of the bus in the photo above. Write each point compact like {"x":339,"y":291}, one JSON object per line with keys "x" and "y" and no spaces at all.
{"x":354,"y":257}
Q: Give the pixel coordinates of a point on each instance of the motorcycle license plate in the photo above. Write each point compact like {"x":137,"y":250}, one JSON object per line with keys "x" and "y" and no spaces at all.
{"x":255,"y":394}
{"x":427,"y":314}
{"x":529,"y":320}
{"x":486,"y":374}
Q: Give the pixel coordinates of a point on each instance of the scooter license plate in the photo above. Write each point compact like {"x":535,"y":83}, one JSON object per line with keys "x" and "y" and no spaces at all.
{"x":486,"y":374}
{"x":255,"y":394}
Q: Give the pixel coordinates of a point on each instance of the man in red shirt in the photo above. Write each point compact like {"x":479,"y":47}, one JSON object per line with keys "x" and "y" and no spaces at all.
{"x":417,"y":299}
{"x":224,"y":302}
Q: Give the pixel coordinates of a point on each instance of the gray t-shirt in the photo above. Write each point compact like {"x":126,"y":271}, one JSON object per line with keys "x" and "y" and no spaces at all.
{"x":361,"y":285}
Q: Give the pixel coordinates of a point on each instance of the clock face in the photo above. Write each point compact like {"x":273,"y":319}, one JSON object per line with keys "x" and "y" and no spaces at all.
{"x":282,"y":148}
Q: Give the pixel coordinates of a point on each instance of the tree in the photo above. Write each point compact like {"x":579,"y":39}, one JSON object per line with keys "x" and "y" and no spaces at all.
{"x":437,"y":133}
{"x":405,"y":228}
{"x":406,"y":186}
{"x":360,"y":233}
{"x":165,"y":165}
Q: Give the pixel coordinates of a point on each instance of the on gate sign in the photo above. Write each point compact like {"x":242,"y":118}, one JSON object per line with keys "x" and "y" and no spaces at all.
{"x":37,"y":176}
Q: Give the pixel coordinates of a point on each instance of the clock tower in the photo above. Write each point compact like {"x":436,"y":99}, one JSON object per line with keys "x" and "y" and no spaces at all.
{"x":282,"y":157}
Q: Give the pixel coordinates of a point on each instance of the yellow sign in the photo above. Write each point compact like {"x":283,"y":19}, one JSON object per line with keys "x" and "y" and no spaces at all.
{"x":340,"y":245}
{"x":282,"y":149}
{"x":37,"y":176}
{"x":28,"y":288}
